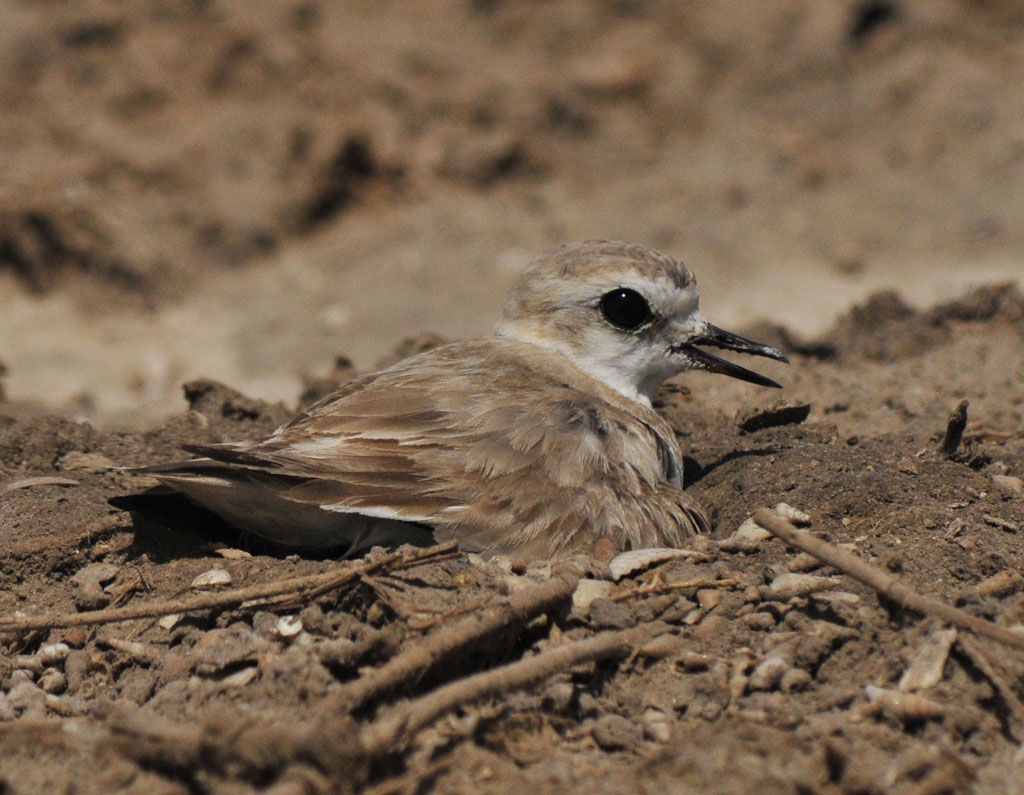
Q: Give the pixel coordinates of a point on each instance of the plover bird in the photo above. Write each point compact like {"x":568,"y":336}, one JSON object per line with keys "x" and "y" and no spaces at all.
{"x":531,"y":443}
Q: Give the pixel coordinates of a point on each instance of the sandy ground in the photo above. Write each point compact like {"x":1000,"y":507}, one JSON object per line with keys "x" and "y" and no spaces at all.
{"x":213,"y":190}
{"x":245,"y":192}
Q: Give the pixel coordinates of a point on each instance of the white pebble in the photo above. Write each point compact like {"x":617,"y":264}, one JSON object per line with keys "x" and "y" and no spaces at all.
{"x":212,"y":579}
{"x":288,"y":626}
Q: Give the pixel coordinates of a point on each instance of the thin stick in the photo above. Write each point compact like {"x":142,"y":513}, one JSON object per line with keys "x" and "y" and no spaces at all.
{"x":667,"y":587}
{"x":441,"y":645}
{"x":882,"y":581}
{"x":974,"y":650}
{"x":393,"y":728}
{"x":955,"y":426}
{"x":310,"y":586}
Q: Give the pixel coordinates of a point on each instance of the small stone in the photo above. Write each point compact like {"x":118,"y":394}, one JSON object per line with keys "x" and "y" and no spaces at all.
{"x":77,"y":461}
{"x":264,"y":624}
{"x":288,"y":626}
{"x":613,"y":732}
{"x":136,"y":684}
{"x":241,"y":677}
{"x":221,"y":648}
{"x":230,"y":553}
{"x":905,"y":706}
{"x":26,"y":697}
{"x":89,"y":594}
{"x":213,"y":578}
{"x":560,"y":695}
{"x":76,"y":637}
{"x":657,"y":725}
{"x":768,"y":674}
{"x":710,"y":627}
{"x":794,"y":679}
{"x":75,"y":668}
{"x":99,"y":573}
{"x":1002,"y":583}
{"x":52,"y":681}
{"x":586,"y":593}
{"x":169,"y":621}
{"x":1008,"y":483}
{"x":54,"y":653}
{"x":173,"y":666}
{"x":760,"y":621}
{"x":606,"y":613}
{"x":803,"y":563}
{"x":792,"y":515}
{"x":790,"y":585}
{"x":907,"y":466}
{"x":709,"y":599}
{"x":929,"y":663}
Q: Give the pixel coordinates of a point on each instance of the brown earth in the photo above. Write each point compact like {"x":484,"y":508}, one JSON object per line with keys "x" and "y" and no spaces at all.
{"x":702,"y":715}
{"x":243,"y":191}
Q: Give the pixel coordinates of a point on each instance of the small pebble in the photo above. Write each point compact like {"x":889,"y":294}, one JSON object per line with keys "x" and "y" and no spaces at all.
{"x":1009,"y":483}
{"x":1002,"y":583}
{"x":905,"y":706}
{"x":587,"y":591}
{"x":230,"y":553}
{"x":768,"y":673}
{"x":213,"y":578}
{"x":168,"y":622}
{"x":75,"y":668}
{"x":78,"y":461}
{"x":657,"y":725}
{"x":926,"y":669}
{"x":288,"y":626}
{"x":241,"y":677}
{"x":613,"y":732}
{"x":709,"y":599}
{"x":793,"y":515}
{"x":794,"y":679}
{"x":788,"y":586}
{"x":53,"y":681}
{"x":26,"y":697}
{"x":803,"y":562}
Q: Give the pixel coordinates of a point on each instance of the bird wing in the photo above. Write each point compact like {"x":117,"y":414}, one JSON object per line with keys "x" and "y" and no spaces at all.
{"x":504,"y":449}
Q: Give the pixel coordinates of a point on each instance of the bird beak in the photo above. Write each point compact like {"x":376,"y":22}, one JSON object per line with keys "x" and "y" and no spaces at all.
{"x":720,"y":338}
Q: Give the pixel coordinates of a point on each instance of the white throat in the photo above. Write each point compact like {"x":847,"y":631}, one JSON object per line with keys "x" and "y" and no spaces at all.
{"x":637,"y":375}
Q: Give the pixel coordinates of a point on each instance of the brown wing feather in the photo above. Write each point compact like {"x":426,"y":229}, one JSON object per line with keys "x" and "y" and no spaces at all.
{"x":522,"y":453}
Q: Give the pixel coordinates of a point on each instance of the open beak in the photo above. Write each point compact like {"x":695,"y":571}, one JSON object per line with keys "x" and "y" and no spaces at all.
{"x":720,"y":338}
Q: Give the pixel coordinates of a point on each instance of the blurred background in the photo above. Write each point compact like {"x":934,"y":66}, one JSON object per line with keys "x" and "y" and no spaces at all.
{"x":244,"y":190}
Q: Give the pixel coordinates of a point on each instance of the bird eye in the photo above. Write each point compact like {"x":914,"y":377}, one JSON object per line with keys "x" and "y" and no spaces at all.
{"x":625,"y":308}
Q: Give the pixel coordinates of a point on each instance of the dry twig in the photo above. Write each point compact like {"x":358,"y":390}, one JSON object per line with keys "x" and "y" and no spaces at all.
{"x":657,"y":588}
{"x":955,"y":426}
{"x":974,"y":650}
{"x":422,"y":656}
{"x":307,"y":587}
{"x":882,"y":581}
{"x":392,"y":729}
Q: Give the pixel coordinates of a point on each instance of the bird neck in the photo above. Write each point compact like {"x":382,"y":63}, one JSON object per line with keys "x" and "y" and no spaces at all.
{"x":632,"y":380}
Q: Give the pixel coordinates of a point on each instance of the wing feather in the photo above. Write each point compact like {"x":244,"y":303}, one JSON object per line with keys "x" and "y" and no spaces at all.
{"x":507,"y":450}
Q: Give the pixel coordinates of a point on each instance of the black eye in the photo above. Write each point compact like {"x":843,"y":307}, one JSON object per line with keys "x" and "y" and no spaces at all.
{"x":625,"y":308}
